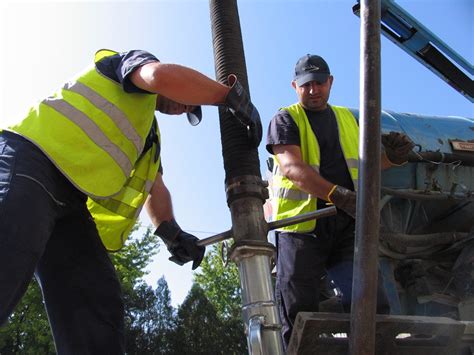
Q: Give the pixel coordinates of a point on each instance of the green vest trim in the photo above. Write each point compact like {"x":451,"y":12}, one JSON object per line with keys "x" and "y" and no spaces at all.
{"x":116,"y":216}
{"x":288,"y":200}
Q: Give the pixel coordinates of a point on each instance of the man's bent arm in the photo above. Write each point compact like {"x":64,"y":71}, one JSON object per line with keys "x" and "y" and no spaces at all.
{"x":158,"y":204}
{"x":300,"y":173}
{"x":179,"y":83}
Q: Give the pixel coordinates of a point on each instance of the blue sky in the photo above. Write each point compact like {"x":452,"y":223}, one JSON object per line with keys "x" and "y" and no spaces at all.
{"x":44,"y":43}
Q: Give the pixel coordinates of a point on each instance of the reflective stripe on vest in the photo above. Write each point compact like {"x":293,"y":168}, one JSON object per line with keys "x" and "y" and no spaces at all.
{"x":115,"y":217}
{"x":289,"y":200}
{"x":92,"y":130}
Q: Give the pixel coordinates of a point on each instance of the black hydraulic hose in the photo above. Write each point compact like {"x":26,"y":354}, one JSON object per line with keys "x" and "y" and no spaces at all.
{"x":425,"y":254}
{"x":465,"y":158}
{"x":239,"y":157}
{"x":422,"y":240}
{"x":429,"y":252}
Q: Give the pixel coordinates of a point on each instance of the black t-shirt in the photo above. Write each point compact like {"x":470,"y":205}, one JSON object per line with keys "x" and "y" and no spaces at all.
{"x":119,"y":67}
{"x":333,"y":167}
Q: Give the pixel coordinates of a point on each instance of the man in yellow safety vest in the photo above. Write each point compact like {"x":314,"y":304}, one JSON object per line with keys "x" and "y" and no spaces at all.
{"x":315,"y":151}
{"x":75,"y":173}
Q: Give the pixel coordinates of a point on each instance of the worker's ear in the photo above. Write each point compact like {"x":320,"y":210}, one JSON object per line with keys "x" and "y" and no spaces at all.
{"x":331,"y":80}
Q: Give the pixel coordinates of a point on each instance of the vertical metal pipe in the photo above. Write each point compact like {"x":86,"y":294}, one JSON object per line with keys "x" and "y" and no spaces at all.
{"x":364,"y":291}
{"x":245,"y":193}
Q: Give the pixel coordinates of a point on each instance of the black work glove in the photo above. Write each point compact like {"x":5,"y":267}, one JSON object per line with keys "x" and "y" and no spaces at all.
{"x":397,"y":147}
{"x":343,"y":199}
{"x":181,"y":245}
{"x":239,"y":104}
{"x":195,"y":116}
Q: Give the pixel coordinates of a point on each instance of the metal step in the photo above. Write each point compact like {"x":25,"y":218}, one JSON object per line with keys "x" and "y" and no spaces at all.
{"x":326,"y":333}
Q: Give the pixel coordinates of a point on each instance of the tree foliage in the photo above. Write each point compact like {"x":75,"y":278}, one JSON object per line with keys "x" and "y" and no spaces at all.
{"x":221,"y":285}
{"x":27,"y":330}
{"x":198,"y":326}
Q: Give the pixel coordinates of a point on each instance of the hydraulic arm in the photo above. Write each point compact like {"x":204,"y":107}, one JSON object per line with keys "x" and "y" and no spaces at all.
{"x":415,"y":39}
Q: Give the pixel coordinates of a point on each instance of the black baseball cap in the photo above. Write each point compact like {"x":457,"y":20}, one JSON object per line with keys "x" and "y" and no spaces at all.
{"x":311,"y":68}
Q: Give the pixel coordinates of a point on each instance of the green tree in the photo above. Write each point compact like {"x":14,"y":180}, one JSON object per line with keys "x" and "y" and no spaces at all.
{"x":221,"y":285}
{"x":151,"y":318}
{"x":140,"y":316}
{"x":131,"y":261}
{"x":198,"y":329}
{"x":27,"y":330}
{"x":165,"y":320}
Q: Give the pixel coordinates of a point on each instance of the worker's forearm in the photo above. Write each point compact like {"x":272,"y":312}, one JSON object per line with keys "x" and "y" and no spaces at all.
{"x":159,"y":206}
{"x":384,"y":162}
{"x":181,"y":84}
{"x":308,"y":180}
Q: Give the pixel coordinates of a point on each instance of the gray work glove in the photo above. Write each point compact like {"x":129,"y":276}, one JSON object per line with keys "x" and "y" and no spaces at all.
{"x":397,"y":147}
{"x":239,"y":104}
{"x":343,"y":199}
{"x":181,"y":245}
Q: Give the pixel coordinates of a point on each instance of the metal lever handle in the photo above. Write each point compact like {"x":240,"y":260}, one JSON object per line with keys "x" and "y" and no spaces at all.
{"x":324,"y":212}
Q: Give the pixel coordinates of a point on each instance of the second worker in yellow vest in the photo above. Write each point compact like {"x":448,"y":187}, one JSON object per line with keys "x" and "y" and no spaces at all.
{"x":315,"y":152}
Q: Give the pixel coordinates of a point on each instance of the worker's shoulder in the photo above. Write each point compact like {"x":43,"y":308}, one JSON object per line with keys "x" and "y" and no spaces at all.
{"x":281,"y":118}
{"x":121,"y":64}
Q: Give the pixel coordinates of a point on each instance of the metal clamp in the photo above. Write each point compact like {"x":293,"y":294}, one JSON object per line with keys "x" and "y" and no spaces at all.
{"x":255,"y":335}
{"x":225,"y":253}
{"x":246,"y":186}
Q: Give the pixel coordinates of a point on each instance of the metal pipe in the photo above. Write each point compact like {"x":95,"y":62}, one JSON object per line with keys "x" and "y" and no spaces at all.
{"x":364,"y":290}
{"x":325,"y":212}
{"x":245,"y":191}
{"x":252,"y":255}
{"x":411,"y":194}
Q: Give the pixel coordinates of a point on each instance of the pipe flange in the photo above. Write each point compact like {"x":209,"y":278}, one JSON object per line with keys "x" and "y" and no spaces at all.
{"x":248,"y":248}
{"x":246,"y":186}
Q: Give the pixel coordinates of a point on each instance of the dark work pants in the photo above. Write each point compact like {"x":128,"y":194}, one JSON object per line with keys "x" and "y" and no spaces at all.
{"x":302,"y":259}
{"x":46,"y":230}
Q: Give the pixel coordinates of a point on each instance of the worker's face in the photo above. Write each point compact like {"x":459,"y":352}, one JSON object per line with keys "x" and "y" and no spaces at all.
{"x":170,"y":107}
{"x":314,"y":95}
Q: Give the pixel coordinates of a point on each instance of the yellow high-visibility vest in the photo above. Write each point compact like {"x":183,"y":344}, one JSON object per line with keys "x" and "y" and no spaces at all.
{"x":288,"y":200}
{"x":116,"y":216}
{"x":95,"y":133}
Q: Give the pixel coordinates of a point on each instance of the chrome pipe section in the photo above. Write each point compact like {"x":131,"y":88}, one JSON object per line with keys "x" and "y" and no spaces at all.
{"x":259,"y":309}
